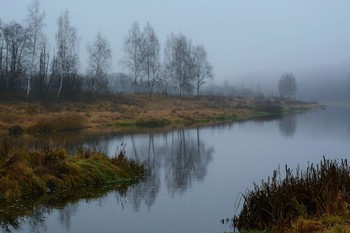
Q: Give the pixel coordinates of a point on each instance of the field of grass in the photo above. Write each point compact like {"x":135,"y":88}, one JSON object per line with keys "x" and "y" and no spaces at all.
{"x":136,"y":112}
{"x":28,"y":171}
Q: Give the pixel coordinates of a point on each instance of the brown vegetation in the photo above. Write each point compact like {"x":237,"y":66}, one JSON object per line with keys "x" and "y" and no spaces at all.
{"x":315,"y":200}
{"x":122,"y":112}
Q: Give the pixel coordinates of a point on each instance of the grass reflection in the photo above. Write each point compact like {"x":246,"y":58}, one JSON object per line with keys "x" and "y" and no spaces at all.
{"x":32,"y":211}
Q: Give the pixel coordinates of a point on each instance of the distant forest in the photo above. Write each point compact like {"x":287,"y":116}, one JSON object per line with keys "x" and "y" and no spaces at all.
{"x":33,"y":69}
{"x":28,"y":68}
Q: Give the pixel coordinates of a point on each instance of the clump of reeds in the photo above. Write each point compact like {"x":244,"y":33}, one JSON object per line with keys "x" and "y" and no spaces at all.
{"x":25,"y":171}
{"x":322,"y":189}
{"x":62,"y":122}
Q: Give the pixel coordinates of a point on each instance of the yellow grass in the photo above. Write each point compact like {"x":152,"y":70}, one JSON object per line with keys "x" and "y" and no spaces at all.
{"x":120,"y":111}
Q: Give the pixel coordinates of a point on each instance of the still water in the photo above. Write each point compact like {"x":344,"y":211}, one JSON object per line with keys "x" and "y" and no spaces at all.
{"x":196,"y":178}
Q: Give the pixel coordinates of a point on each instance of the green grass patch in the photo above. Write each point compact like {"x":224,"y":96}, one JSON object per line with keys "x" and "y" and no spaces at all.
{"x":261,"y":114}
{"x":152,"y":123}
{"x":204,"y":120}
{"x":269,"y":109}
{"x":25,"y":171}
{"x":225,"y":117}
{"x":124,"y":123}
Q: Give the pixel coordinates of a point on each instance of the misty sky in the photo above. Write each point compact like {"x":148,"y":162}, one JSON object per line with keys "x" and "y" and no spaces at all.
{"x":243,"y":38}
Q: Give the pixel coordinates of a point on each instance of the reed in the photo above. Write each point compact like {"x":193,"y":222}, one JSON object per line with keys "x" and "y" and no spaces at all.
{"x":321,"y":190}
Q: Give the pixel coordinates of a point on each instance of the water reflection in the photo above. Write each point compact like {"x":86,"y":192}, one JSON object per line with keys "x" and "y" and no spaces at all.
{"x":178,"y":158}
{"x":187,"y":161}
{"x":287,"y":126}
{"x":33,"y":211}
{"x":178,"y":192}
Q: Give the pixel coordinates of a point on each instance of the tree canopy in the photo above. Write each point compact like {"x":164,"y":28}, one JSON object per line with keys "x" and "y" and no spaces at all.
{"x":287,"y":86}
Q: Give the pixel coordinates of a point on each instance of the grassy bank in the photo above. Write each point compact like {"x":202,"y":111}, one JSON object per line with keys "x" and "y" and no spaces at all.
{"x":136,"y":112}
{"x":26,"y":172}
{"x":314,"y":200}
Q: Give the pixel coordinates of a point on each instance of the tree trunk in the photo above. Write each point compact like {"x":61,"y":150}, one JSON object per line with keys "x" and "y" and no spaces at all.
{"x":59,"y":89}
{"x":28,"y":87}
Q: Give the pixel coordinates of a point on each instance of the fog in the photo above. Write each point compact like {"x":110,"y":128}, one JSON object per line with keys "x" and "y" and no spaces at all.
{"x":249,"y":43}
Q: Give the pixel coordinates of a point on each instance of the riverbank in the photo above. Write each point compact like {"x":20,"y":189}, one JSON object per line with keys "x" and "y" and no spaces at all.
{"x":132,"y":113}
{"x":26,"y":171}
{"x":312,"y":200}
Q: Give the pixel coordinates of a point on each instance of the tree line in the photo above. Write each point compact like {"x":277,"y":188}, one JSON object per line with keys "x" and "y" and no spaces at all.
{"x":29,"y":67}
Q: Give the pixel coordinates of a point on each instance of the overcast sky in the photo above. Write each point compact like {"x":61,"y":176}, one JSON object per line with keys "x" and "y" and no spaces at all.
{"x":243,"y":38}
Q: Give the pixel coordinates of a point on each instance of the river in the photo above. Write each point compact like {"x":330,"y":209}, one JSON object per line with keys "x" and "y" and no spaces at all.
{"x":196,"y":175}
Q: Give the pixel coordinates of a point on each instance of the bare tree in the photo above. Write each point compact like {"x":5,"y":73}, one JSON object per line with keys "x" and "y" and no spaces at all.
{"x":133,"y":58}
{"x":14,"y":45}
{"x":2,"y":44}
{"x":35,"y":22}
{"x":100,"y":57}
{"x":168,"y":72}
{"x":40,"y":81}
{"x":203,"y":71}
{"x":67,"y":50}
{"x":151,"y":60}
{"x":178,"y":62}
{"x":287,"y":85}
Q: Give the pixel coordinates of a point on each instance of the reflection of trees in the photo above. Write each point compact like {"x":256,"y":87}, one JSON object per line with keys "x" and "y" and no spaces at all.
{"x":180,"y":155}
{"x":288,"y":126}
{"x":37,"y":218}
{"x":32,"y":212}
{"x":14,"y":214}
{"x":187,"y":161}
{"x":151,"y":155}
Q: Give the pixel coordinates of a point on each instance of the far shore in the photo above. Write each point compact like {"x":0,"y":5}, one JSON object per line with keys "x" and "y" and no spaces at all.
{"x":136,"y":113}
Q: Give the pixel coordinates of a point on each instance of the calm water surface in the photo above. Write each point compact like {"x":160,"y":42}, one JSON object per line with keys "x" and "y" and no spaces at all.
{"x":196,"y":174}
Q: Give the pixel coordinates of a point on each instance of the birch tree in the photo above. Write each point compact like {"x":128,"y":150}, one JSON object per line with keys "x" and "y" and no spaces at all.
{"x":35,"y":22}
{"x":100,"y":57}
{"x":203,"y":71}
{"x":133,"y":55}
{"x":2,"y":44}
{"x":15,"y":43}
{"x":151,"y":60}
{"x":67,"y":51}
{"x":178,"y":63}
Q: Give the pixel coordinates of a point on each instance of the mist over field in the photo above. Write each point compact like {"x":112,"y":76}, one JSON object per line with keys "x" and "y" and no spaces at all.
{"x":165,"y":113}
{"x":249,"y":43}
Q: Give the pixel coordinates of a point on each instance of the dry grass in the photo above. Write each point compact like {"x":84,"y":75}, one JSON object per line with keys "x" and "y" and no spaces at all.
{"x":59,"y":123}
{"x":299,"y":200}
{"x":119,"y":110}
